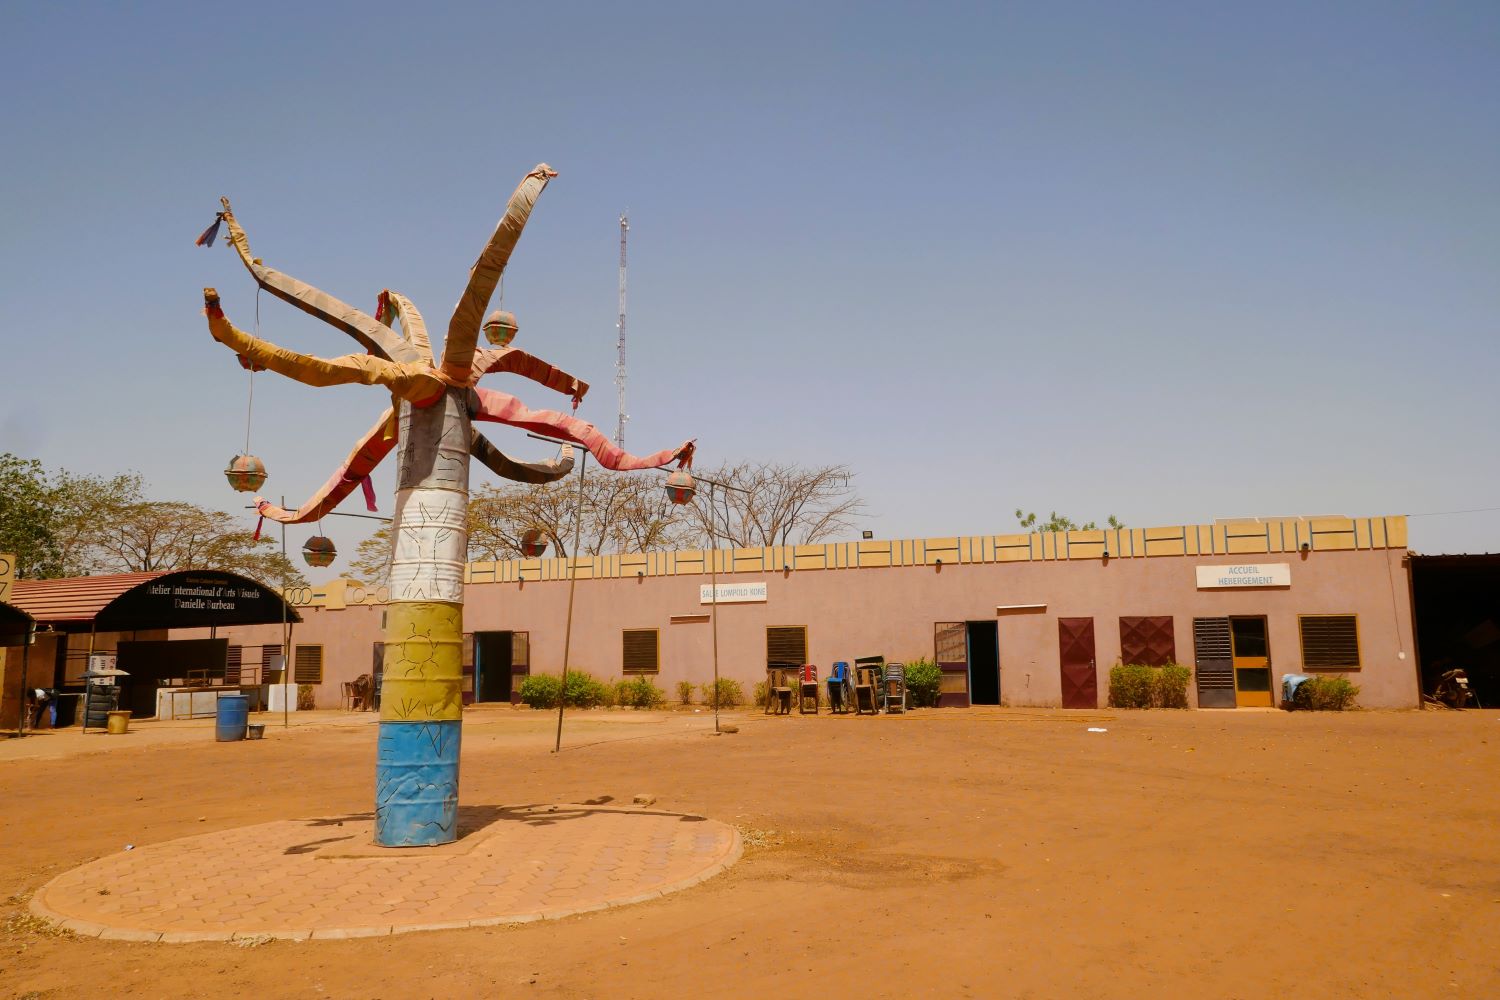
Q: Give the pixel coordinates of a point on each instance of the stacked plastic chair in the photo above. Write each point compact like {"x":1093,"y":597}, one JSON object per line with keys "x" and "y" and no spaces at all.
{"x":895,"y":687}
{"x":840,"y":688}
{"x":809,"y":690}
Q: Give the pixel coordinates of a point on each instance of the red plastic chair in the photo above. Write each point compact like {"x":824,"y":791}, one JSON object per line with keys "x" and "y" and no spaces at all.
{"x":809,"y":690}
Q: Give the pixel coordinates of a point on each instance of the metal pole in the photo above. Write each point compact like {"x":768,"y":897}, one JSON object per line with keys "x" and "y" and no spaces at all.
{"x":286,"y":635}
{"x":713,"y":607}
{"x":572,"y":586}
{"x":25,"y":660}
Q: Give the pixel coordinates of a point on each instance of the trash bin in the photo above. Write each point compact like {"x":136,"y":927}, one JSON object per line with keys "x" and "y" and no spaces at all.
{"x":119,"y":723}
{"x":231,"y":718}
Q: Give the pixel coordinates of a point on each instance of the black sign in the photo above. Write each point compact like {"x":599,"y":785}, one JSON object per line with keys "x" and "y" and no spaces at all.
{"x":194,"y":599}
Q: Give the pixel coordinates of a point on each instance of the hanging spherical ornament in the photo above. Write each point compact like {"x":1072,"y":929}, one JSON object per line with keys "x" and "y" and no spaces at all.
{"x":246,"y":473}
{"x":500,"y":327}
{"x":318,"y":551}
{"x":680,"y":487}
{"x":532,"y":543}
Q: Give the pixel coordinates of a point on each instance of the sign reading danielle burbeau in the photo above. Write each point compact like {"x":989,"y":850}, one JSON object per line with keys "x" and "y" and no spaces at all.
{"x":1244,"y":575}
{"x":732,"y":593}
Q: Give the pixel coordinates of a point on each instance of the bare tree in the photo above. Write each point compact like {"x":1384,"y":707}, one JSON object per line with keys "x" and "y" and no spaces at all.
{"x":620,"y":514}
{"x":371,"y":564}
{"x":781,"y":504}
{"x":173,"y":535}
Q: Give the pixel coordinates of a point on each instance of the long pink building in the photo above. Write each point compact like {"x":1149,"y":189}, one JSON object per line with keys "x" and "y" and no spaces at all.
{"x":1025,"y":620}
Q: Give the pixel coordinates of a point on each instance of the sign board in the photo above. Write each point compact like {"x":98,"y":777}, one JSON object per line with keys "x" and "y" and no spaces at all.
{"x":732,"y":593}
{"x":1244,"y":575}
{"x":193,"y":598}
{"x":7,"y":575}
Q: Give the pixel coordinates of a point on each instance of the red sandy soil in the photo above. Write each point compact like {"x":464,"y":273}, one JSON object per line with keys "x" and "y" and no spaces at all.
{"x":977,"y":853}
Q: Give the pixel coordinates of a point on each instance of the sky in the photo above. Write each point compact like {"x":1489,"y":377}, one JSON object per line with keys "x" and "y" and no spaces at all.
{"x":1166,"y":261}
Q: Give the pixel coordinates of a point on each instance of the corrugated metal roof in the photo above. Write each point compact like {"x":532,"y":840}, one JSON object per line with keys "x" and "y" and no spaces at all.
{"x":74,"y":599}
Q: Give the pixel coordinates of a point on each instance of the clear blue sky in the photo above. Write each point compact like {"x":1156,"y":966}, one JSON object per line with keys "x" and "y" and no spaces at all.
{"x":1166,"y":261}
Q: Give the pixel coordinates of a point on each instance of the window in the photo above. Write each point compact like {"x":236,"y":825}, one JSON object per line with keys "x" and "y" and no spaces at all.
{"x":1329,"y":642}
{"x":1147,"y":640}
{"x":307,"y":665}
{"x":641,"y":650}
{"x":786,"y":645}
{"x":233,"y":661}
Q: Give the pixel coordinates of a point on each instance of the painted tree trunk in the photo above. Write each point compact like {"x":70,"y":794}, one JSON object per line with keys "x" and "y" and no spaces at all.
{"x":421,"y":705}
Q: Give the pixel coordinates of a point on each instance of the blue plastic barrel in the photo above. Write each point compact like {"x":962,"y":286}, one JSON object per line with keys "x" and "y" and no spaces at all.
{"x":232,"y":717}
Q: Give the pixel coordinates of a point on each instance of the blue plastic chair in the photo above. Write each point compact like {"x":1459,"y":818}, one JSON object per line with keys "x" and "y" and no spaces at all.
{"x":840,"y":688}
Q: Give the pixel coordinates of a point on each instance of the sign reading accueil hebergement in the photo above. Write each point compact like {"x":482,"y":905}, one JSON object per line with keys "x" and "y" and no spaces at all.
{"x":1244,"y":575}
{"x":732,"y":593}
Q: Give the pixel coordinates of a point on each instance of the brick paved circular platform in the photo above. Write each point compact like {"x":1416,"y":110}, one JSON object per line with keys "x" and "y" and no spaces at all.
{"x":324,"y":878}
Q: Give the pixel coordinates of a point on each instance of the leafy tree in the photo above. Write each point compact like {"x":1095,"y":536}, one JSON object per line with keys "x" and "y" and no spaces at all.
{"x":1061,"y":522}
{"x":80,"y":507}
{"x":25,"y":518}
{"x":372,"y":559}
{"x":152,"y":536}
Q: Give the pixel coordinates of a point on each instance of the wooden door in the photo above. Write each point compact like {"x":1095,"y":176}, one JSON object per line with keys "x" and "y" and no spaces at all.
{"x":1080,"y":682}
{"x":951,"y":652}
{"x":1252,"y":663}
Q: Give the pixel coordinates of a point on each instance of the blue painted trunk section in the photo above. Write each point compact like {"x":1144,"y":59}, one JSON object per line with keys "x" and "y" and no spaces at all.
{"x":416,"y":784}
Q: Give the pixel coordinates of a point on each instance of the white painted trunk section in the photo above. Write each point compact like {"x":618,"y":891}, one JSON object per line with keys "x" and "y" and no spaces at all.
{"x":431,"y":531}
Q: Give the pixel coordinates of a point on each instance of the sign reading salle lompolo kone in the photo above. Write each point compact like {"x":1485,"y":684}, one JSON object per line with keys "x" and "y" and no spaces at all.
{"x":1244,"y":575}
{"x":732,"y":593}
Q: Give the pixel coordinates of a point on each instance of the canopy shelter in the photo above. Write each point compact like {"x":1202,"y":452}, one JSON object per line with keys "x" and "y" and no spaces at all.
{"x":131,"y":602}
{"x":125,"y":604}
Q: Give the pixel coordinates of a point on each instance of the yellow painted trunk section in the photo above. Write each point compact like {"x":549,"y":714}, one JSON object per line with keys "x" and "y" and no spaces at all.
{"x":423,"y":663}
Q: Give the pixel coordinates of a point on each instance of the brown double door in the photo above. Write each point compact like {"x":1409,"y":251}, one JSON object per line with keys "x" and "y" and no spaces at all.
{"x":1080,"y":681}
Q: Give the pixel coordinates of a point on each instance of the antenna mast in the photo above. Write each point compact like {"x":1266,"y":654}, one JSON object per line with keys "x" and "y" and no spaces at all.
{"x":620,"y":359}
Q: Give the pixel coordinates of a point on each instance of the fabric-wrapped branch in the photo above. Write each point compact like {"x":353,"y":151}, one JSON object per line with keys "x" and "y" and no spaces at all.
{"x":416,"y":383}
{"x":463,"y":328}
{"x":374,"y":446}
{"x":372,"y":336}
{"x":503,"y":465}
{"x":392,"y":306}
{"x":516,"y":362}
{"x":500,"y":408}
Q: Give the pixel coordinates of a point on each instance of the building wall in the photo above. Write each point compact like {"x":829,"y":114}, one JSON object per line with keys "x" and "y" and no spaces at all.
{"x":854,"y":605}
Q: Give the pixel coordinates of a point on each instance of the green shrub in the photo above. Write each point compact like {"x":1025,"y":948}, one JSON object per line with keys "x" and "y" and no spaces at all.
{"x":728,"y":695}
{"x":924,"y":680}
{"x":639,"y":692}
{"x":1170,"y":689}
{"x":1326,"y":694}
{"x":540,"y":690}
{"x":585,"y":690}
{"x":1130,"y":686}
{"x":762,"y":692}
{"x":305,"y":702}
{"x":1135,"y":685}
{"x":685,"y":691}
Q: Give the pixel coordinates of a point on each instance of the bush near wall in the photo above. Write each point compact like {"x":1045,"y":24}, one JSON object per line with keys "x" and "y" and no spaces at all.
{"x":639,"y":692}
{"x":762,"y":692}
{"x":685,"y":691}
{"x":583,"y":691}
{"x":728,"y":694}
{"x":1326,"y":694}
{"x":1135,"y":685}
{"x":924,"y":681}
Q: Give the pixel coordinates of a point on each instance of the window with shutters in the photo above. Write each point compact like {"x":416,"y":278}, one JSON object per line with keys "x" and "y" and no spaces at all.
{"x":233,"y":661}
{"x":271,"y":663}
{"x":786,"y":645}
{"x":640,"y":652}
{"x":1147,"y":639}
{"x":307,"y":665}
{"x":1329,"y":642}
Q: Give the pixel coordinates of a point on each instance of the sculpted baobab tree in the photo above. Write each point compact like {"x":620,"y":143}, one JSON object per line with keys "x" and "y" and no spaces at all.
{"x":434,"y":399}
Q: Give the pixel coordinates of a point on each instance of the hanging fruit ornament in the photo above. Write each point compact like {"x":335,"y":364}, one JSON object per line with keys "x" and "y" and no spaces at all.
{"x":680,"y":487}
{"x":500,"y":327}
{"x":246,"y":473}
{"x":532,"y":543}
{"x":318,"y":551}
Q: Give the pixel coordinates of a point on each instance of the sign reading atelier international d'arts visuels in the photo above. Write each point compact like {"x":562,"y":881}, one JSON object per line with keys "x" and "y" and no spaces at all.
{"x":732,"y":593}
{"x":1244,"y":575}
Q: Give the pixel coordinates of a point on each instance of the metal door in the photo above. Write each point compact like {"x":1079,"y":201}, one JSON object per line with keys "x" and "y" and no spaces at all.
{"x":1075,"y":642}
{"x":520,"y":663}
{"x":1214,"y":662}
{"x":951,"y":651}
{"x":377,"y":672}
{"x":1147,"y":640}
{"x":1252,"y":663}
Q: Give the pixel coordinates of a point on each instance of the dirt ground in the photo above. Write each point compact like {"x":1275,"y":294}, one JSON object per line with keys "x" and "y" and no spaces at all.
{"x":978,"y":853}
